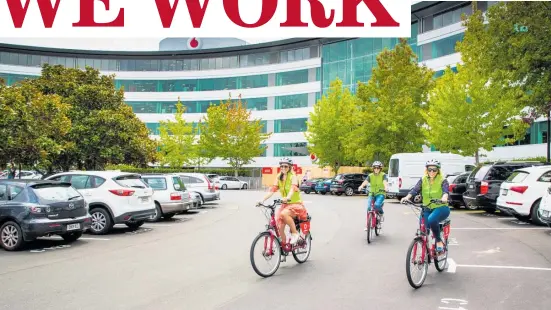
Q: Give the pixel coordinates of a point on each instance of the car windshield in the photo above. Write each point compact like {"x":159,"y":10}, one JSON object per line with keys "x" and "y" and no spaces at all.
{"x":55,"y":192}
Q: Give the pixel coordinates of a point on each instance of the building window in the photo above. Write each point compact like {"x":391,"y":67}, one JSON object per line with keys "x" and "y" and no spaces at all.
{"x":291,"y":101}
{"x":290,"y":149}
{"x":290,"y":125}
{"x":292,"y":77}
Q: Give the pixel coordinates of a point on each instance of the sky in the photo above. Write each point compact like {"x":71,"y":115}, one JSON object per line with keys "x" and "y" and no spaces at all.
{"x":122,"y":44}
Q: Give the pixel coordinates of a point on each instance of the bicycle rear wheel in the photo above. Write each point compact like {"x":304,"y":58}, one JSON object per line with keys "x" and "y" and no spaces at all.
{"x":369,"y":226}
{"x":378,"y":225}
{"x":440,"y":262}
{"x":301,"y":254}
{"x":414,"y":263}
{"x":263,"y":248}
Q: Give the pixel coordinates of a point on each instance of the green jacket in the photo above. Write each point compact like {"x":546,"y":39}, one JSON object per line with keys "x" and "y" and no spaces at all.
{"x":285,"y":188}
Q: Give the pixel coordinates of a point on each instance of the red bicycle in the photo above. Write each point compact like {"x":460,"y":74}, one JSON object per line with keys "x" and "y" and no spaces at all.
{"x":421,"y":244}
{"x":374,"y":222}
{"x":270,"y":242}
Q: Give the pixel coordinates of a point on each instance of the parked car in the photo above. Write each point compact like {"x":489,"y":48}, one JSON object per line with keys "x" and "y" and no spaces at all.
{"x":323,"y":186}
{"x":522,"y":192}
{"x":347,"y":183}
{"x":200,"y":183}
{"x":169,"y":194}
{"x":35,"y":208}
{"x":484,"y":183}
{"x":309,"y":186}
{"x":545,"y":207}
{"x":113,"y":197}
{"x":457,"y":187}
{"x":195,"y":199}
{"x":232,"y":183}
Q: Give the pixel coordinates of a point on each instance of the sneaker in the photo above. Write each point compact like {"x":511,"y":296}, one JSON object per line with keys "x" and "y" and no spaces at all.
{"x":365,"y":229}
{"x":294,"y":238}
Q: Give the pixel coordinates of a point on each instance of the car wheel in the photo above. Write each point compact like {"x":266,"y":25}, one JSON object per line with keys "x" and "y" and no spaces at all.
{"x":307,"y":192}
{"x":158,"y":213}
{"x":72,"y":237}
{"x":349,"y":191}
{"x":101,"y":221}
{"x":11,"y":236}
{"x":134,"y":224}
{"x":535,"y":214}
{"x":245,"y":186}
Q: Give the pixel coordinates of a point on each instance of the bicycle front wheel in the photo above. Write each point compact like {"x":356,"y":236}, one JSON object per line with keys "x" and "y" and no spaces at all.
{"x":416,"y":268}
{"x":369,"y":226}
{"x":265,"y":250}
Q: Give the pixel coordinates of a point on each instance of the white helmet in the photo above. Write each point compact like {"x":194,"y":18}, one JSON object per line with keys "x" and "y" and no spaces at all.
{"x":377,"y":164}
{"x":286,"y":160}
{"x":433,"y":162}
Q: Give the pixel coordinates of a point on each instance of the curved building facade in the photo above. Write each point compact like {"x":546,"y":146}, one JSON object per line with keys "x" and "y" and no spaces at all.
{"x":280,"y":81}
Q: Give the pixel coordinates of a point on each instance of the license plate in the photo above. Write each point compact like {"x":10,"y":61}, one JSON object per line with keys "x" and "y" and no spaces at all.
{"x":471,"y":186}
{"x":73,"y":226}
{"x":145,"y":199}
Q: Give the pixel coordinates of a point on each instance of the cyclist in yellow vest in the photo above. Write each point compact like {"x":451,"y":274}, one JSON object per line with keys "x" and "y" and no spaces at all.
{"x":378,"y":182}
{"x":292,"y":207}
{"x":433,"y":185}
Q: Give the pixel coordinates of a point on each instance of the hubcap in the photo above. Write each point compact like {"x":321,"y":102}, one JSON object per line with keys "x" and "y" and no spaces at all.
{"x":98,"y":221}
{"x":349,"y":191}
{"x":10,"y":236}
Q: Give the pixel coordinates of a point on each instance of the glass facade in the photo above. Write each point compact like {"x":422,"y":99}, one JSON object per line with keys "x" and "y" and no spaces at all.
{"x":290,"y":125}
{"x":291,"y":101}
{"x":352,"y":61}
{"x":168,"y":64}
{"x":257,"y":104}
{"x":441,"y":47}
{"x":154,"y":127}
{"x":292,"y":77}
{"x":290,"y":149}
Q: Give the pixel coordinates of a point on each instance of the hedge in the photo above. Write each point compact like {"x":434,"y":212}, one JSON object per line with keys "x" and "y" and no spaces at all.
{"x":219,"y":171}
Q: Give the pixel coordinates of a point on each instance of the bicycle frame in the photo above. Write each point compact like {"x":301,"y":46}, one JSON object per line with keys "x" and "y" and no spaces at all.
{"x":424,"y":232}
{"x":271,"y":227}
{"x":373,"y":211}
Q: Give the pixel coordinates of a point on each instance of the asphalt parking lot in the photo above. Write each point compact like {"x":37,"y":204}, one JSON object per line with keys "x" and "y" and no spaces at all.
{"x":200,"y":260}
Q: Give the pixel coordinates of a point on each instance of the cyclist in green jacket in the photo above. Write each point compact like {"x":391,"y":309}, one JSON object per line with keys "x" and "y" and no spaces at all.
{"x":378,"y":182}
{"x":433,"y":185}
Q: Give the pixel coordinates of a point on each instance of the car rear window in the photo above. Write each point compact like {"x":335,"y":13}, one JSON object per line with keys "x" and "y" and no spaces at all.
{"x":176,"y":180}
{"x":339,"y":176}
{"x":479,"y":173}
{"x":501,"y":173}
{"x":517,"y":177}
{"x":132,"y":180}
{"x":156,"y":183}
{"x":55,"y":192}
{"x":393,"y":168}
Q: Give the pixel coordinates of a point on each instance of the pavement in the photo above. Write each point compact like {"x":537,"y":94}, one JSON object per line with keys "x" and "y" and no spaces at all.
{"x":201,"y":260}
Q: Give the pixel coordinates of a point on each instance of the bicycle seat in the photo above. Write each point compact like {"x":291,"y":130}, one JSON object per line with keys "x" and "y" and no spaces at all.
{"x":308,"y":219}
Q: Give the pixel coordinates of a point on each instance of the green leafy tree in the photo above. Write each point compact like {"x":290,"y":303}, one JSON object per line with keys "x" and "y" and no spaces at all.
{"x":329,"y":126}
{"x":389,"y":120}
{"x":468,"y":113}
{"x":32,"y":126}
{"x":104,"y":129}
{"x":227,"y":132}
{"x":515,"y":46}
{"x":177,"y":140}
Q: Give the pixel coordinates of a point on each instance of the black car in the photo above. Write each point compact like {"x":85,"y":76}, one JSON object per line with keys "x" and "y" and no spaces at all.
{"x":309,"y":186}
{"x":457,"y":188}
{"x":347,"y":183}
{"x":484,"y":183}
{"x":35,"y":208}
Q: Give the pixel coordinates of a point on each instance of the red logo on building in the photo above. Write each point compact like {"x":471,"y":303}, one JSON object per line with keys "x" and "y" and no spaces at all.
{"x":193,"y":43}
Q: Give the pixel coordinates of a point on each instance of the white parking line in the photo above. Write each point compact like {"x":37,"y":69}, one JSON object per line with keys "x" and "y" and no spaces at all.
{"x":499,"y":228}
{"x":452,"y":266}
{"x":506,"y":267}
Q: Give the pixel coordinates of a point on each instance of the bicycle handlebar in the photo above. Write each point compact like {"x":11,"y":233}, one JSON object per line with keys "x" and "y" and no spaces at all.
{"x":276,"y":202}
{"x":432,"y":201}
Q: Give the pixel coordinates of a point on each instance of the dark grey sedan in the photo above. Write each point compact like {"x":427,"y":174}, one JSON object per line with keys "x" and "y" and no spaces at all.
{"x":35,"y":208}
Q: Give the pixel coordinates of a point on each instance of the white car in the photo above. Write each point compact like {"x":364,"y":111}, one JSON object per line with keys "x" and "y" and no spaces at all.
{"x":169,"y":193}
{"x":545,"y":207}
{"x":200,"y":183}
{"x":521,"y":194}
{"x":232,"y":183}
{"x":113,"y":197}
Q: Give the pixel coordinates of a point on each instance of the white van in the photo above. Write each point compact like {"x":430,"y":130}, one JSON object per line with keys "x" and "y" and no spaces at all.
{"x":405,"y":169}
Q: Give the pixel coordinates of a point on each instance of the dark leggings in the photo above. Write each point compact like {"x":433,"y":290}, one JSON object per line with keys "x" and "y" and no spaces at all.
{"x":433,"y":219}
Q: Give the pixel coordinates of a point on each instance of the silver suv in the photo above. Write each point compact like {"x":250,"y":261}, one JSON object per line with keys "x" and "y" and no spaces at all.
{"x":169,"y":193}
{"x":200,"y":183}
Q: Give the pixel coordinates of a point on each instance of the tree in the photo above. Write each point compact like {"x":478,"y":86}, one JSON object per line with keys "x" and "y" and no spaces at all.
{"x":467,"y":112}
{"x":228,"y":132}
{"x":329,"y":126}
{"x":177,"y":141}
{"x":32,"y":126}
{"x":389,"y":120}
{"x":104,"y":129}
